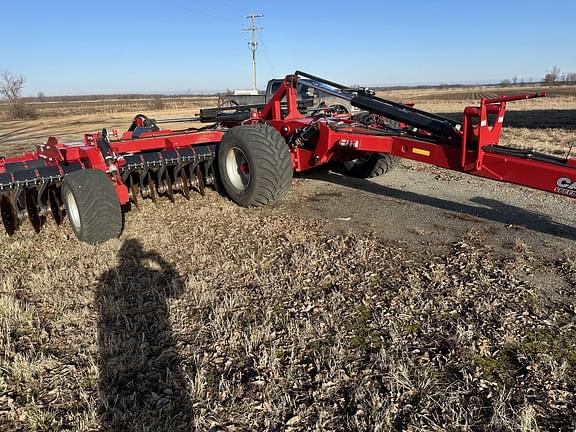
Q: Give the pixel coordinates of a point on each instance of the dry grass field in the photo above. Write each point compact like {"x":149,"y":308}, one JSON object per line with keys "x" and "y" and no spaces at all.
{"x":543,"y":124}
{"x":207,"y":316}
{"x":69,"y":120}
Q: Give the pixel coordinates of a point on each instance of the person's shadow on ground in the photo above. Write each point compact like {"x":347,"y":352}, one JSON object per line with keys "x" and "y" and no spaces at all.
{"x":141,"y":384}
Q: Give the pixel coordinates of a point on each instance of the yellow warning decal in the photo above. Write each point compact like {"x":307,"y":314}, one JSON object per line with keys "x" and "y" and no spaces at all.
{"x":420,"y":151}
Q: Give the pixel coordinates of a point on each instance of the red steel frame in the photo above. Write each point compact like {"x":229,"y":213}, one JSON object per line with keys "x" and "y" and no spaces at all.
{"x":89,"y":155}
{"x":473,"y":156}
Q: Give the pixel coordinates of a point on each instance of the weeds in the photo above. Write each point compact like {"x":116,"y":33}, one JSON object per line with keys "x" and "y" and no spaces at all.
{"x":233,"y":319}
{"x":332,"y":333}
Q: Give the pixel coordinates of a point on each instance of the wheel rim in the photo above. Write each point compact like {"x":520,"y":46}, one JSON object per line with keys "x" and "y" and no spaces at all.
{"x":238,"y":168}
{"x":72,"y":210}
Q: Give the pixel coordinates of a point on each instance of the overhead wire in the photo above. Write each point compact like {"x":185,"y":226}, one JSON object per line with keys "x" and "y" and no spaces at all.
{"x":217,"y":15}
{"x":268,"y":58}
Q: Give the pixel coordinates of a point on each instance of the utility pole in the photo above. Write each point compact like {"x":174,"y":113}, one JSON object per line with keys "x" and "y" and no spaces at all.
{"x":253,"y":44}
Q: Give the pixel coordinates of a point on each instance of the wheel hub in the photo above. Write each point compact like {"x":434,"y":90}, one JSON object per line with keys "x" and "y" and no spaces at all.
{"x":238,"y":168}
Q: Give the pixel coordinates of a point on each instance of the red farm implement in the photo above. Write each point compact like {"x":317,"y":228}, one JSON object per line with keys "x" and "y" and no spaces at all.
{"x":252,"y":151}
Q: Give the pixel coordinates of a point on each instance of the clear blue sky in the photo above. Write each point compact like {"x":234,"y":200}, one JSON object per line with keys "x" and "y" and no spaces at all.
{"x":81,"y":47}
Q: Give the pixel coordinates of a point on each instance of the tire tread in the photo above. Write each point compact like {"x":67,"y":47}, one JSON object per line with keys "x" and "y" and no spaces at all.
{"x":272,"y":161}
{"x":97,"y":203}
{"x":378,"y":164}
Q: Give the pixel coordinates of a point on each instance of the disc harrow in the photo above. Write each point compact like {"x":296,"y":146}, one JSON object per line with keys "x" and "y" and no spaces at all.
{"x":31,"y":184}
{"x":252,"y":151}
{"x":167,"y":173}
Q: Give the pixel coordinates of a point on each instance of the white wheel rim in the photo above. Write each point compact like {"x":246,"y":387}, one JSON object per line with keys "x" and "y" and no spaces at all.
{"x":72,"y":209}
{"x":238,"y":169}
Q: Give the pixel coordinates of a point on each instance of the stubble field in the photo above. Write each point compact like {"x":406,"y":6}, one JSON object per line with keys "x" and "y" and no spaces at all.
{"x":207,"y":316}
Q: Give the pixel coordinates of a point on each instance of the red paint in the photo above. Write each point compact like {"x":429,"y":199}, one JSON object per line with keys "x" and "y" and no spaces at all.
{"x":474,"y":154}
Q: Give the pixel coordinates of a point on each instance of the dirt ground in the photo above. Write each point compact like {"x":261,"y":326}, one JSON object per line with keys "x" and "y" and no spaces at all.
{"x":425,"y":206}
{"x":421,"y":300}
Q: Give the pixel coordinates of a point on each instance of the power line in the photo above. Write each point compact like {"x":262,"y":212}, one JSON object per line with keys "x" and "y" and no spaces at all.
{"x":253,"y":44}
{"x":230,"y":7}
{"x":195,"y":11}
{"x":272,"y":68}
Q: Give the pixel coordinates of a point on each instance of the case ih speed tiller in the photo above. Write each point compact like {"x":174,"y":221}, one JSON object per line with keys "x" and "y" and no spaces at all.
{"x":252,"y":152}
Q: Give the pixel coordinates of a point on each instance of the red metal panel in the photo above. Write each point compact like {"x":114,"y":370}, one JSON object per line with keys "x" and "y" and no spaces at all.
{"x":286,"y":93}
{"x":481,"y":129}
{"x":536,"y":174}
{"x":166,"y":142}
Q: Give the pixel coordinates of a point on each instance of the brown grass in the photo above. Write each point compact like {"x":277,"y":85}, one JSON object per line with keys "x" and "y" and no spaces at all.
{"x":20,"y":136}
{"x":222,"y":317}
{"x":475,"y":93}
{"x":109,"y":106}
{"x":207,"y":316}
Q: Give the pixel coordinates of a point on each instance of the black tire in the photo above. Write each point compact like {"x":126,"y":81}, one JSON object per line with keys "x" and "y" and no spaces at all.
{"x":92,"y":206}
{"x":254,"y":164}
{"x":374,"y":165}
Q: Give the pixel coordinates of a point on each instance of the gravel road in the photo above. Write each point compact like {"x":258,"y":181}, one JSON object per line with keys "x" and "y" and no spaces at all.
{"x":428,"y":207}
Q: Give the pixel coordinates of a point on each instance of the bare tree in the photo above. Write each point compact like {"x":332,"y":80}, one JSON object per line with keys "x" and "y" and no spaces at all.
{"x":567,"y":78}
{"x":552,"y":76}
{"x":11,"y":86}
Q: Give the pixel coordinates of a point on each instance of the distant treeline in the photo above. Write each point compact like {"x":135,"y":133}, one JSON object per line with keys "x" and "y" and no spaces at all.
{"x":465,"y":86}
{"x":132,"y":96}
{"x":124,"y":96}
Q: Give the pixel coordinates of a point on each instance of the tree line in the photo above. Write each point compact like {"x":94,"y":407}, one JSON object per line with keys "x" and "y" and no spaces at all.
{"x":11,"y":86}
{"x":552,"y":77}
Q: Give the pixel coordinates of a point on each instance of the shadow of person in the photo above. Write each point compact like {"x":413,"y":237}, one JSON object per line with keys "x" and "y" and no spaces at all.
{"x":141,"y":384}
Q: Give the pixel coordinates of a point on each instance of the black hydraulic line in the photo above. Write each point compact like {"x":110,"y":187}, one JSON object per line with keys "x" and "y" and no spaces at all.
{"x":322,"y":80}
{"x":526,"y":154}
{"x":240,"y":112}
{"x":177,"y":120}
{"x":225,"y":117}
{"x":443,"y":127}
{"x":215,"y":112}
{"x":404,"y":107}
{"x":368,"y":93}
{"x":440,"y":128}
{"x":106,"y":149}
{"x":307,"y":133}
{"x":344,"y":94}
